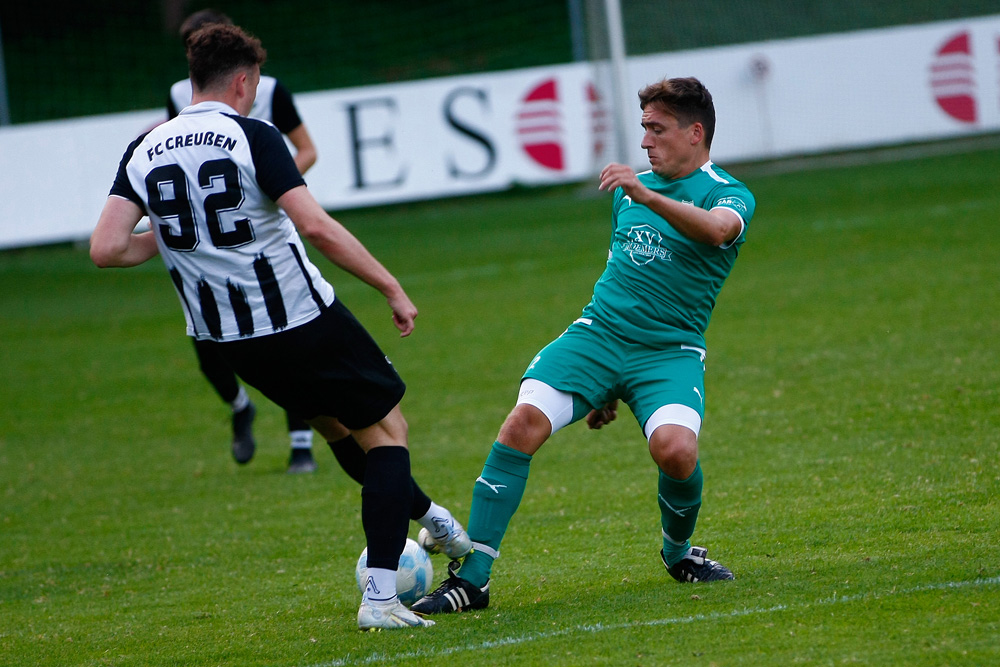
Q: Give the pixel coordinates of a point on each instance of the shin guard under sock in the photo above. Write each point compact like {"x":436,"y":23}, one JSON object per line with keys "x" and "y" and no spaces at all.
{"x":679,"y":502}
{"x":495,"y":497}
{"x":386,"y":498}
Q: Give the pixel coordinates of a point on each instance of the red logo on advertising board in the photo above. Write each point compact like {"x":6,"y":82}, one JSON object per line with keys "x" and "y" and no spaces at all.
{"x":539,"y":125}
{"x":541,"y":129}
{"x":598,"y":120}
{"x":953,"y":81}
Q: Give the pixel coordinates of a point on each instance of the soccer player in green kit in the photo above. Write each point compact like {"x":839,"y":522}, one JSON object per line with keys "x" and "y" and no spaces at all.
{"x":676,"y":232}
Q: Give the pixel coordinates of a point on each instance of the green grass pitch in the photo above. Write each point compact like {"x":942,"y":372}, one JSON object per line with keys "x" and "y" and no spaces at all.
{"x":850,"y":448}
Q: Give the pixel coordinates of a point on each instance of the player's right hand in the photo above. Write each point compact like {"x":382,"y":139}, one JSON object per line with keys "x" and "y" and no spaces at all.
{"x":403,"y":314}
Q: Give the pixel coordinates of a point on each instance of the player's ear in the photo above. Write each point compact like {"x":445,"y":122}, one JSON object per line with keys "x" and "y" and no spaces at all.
{"x":240,"y":81}
{"x":697,"y":133}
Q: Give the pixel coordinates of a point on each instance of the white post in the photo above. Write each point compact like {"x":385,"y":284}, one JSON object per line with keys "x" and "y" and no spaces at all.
{"x":621,"y":105}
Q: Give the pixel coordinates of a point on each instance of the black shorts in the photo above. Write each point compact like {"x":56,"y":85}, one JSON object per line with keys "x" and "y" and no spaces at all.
{"x":329,"y":366}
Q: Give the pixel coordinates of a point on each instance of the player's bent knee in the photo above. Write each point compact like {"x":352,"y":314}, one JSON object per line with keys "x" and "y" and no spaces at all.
{"x":525,"y":429}
{"x":329,"y":427}
{"x":673,"y":444}
{"x":673,"y":439}
{"x":391,"y":430}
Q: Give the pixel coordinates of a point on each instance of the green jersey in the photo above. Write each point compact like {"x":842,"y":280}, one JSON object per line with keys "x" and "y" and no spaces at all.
{"x":659,"y":287}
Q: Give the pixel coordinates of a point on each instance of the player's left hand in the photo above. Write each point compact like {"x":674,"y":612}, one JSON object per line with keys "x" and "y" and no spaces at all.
{"x":598,"y":418}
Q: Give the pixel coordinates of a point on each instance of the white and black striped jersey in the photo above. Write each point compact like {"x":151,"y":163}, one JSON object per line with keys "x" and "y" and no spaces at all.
{"x":208,"y":180}
{"x":273,"y":103}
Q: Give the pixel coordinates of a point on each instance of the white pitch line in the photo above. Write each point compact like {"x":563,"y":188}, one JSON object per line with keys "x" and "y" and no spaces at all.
{"x":594,"y":628}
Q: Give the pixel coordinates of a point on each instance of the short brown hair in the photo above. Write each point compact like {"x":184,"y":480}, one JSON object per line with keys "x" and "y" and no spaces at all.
{"x":217,"y":51}
{"x":686,"y":99}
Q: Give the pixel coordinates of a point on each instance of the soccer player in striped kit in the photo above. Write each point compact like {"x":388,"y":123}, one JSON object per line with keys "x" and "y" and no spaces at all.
{"x":227,"y":205}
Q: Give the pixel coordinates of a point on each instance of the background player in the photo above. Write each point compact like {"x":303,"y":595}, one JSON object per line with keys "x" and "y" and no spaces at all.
{"x":226,"y":205}
{"x":274,"y":104}
{"x":676,"y":231}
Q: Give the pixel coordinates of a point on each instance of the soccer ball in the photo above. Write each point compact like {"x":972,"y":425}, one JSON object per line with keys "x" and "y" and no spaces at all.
{"x":413,"y":576}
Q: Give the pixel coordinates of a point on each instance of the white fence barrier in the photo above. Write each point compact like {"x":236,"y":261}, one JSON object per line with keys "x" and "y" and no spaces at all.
{"x":478,"y":133}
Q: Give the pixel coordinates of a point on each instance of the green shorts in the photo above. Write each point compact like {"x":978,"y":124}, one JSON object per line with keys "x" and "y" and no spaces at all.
{"x":592,"y":362}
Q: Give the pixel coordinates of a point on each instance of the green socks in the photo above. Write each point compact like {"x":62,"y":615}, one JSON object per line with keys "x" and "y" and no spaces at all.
{"x":498,"y":491}
{"x":495,"y":497}
{"x":679,"y":502}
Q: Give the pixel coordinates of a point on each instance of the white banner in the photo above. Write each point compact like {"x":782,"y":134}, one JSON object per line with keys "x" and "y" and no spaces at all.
{"x":844,"y":91}
{"x":484,"y":132}
{"x":453,"y":136}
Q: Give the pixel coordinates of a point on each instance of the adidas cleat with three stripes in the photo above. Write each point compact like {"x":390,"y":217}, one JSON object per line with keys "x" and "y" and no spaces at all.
{"x":697,"y":566}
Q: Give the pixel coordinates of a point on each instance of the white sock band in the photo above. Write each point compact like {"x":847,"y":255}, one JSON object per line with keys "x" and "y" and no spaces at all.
{"x":301,"y":439}
{"x":241,"y":401}
{"x":489,"y":551}
{"x":381,"y":584}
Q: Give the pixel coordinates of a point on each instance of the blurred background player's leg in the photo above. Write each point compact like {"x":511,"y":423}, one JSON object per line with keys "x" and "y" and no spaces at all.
{"x":301,"y":440}
{"x":223,"y":380}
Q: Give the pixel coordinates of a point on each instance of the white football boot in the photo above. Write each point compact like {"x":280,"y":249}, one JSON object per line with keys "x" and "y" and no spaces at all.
{"x":388,"y":615}
{"x":455,"y":543}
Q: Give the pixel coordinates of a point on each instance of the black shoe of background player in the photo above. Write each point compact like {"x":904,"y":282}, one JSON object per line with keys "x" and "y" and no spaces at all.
{"x":244,"y":445}
{"x":301,"y":461}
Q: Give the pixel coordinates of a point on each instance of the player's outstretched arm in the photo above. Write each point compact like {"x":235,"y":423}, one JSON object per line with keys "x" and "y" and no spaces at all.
{"x":342,"y":248}
{"x":113,"y":243}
